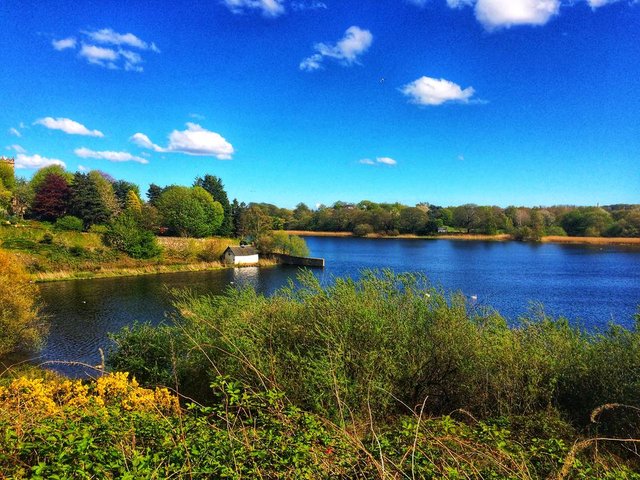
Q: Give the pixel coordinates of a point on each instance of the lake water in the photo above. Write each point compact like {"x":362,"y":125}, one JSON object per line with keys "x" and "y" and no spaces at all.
{"x":589,"y":285}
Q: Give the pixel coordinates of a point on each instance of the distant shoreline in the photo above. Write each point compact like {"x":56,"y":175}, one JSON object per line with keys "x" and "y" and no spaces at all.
{"x":478,"y":237}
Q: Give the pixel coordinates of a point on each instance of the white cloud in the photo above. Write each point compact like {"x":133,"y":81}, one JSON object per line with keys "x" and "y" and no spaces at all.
{"x":109,"y":155}
{"x":310,"y":5}
{"x":378,"y":161}
{"x":386,"y":161}
{"x":143,"y":141}
{"x":109,"y":49}
{"x":495,"y":14}
{"x":346,"y":51}
{"x":105,"y":57}
{"x":601,"y":3}
{"x":195,"y":140}
{"x":433,"y":91}
{"x":82,"y":168}
{"x":16,"y":148}
{"x":15,"y":132}
{"x":268,"y":8}
{"x":505,"y":13}
{"x":64,"y":43}
{"x":36,"y":161}
{"x":131,"y":60}
{"x":110,"y":37}
{"x":68,"y":126}
{"x":460,"y":157}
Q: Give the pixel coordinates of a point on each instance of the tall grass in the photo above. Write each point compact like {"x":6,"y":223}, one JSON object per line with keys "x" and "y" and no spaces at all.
{"x":384,"y":345}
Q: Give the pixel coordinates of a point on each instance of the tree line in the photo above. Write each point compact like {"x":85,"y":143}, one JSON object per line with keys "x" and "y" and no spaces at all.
{"x":524,"y":223}
{"x":97,"y":201}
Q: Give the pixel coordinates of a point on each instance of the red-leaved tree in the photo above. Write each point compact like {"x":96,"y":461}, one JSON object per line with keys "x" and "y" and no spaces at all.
{"x":51,"y":198}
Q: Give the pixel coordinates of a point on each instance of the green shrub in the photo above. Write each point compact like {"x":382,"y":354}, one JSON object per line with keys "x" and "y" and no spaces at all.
{"x":125,"y":234}
{"x":47,"y":239}
{"x":77,"y":250}
{"x":388,"y":341}
{"x":69,"y":222}
{"x":99,"y":229}
{"x":280,"y":242}
{"x":362,"y":230}
{"x":555,"y":230}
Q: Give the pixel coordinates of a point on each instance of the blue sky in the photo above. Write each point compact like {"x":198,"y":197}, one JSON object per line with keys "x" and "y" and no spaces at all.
{"x":525,"y":102}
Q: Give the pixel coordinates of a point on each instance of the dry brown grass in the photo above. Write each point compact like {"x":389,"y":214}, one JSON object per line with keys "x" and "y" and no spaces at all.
{"x":306,"y":233}
{"x":484,"y":238}
{"x":592,"y":240}
{"x":450,"y":236}
{"x":127,"y":272}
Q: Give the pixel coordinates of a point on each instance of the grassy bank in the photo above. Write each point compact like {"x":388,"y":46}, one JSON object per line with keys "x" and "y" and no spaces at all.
{"x":51,"y":255}
{"x":478,"y":237}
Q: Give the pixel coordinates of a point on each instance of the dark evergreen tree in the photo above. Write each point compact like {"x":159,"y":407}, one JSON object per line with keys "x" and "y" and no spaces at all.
{"x":154,"y":192}
{"x":237,"y":210}
{"x":51,"y":199}
{"x":86,"y":201}
{"x":215,"y":187}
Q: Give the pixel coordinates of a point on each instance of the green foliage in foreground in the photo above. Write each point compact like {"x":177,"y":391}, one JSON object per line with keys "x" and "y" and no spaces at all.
{"x":246,"y":434}
{"x":384,"y":344}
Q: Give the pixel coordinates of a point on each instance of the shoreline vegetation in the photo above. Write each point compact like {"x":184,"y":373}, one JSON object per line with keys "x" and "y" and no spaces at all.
{"x":382,"y":378}
{"x":144,"y":270}
{"x":53,"y":255}
{"x":50,"y":255}
{"x":477,"y":237}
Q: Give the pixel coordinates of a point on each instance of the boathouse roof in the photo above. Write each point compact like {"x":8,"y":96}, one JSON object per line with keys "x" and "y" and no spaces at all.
{"x":242,"y":251}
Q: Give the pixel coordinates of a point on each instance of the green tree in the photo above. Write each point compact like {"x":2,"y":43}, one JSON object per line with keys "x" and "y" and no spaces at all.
{"x":41,"y":174}
{"x":121,"y":189}
{"x":413,"y":220}
{"x":7,"y":176}
{"x":189,"y":211}
{"x":125,"y":233}
{"x":153,"y":193}
{"x":87,"y":202}
{"x":105,"y":189}
{"x":586,"y":221}
{"x":254,"y":223}
{"x":215,"y":187}
{"x":466,"y":216}
{"x":288,"y":244}
{"x":5,"y":199}
{"x":237,"y":210}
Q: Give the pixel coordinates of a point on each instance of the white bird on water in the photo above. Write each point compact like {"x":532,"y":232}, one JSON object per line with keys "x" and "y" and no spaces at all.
{"x":474,"y":297}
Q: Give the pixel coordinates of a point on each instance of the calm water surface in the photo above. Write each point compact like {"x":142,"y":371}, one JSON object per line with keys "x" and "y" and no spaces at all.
{"x":589,"y":285}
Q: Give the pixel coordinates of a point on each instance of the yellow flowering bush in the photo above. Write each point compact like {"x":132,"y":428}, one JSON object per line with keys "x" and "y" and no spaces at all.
{"x":22,"y":328}
{"x":38,"y":397}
